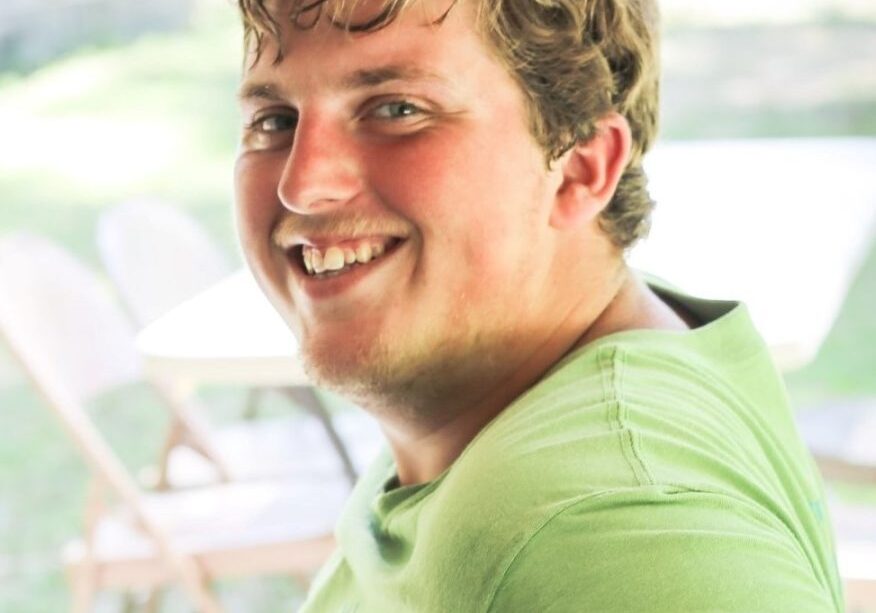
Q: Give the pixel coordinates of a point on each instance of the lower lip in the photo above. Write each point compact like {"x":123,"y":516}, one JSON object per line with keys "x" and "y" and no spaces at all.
{"x":318,"y":288}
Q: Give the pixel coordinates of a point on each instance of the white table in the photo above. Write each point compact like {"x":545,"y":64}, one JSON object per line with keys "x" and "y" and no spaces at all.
{"x":228,"y":334}
{"x":779,"y":224}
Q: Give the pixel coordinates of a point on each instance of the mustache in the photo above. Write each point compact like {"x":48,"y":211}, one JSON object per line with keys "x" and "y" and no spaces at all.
{"x":350,"y":225}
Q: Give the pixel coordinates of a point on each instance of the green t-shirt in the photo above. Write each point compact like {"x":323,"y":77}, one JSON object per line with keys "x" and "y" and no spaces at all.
{"x":651,"y":471}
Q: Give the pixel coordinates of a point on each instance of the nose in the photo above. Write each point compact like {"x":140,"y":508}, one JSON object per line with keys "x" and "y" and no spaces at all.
{"x":322,"y":171}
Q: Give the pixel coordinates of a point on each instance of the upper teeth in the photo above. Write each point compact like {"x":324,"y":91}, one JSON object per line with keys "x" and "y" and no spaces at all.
{"x":336,"y":257}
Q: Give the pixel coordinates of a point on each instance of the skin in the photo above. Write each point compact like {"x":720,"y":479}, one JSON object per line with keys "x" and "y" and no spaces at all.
{"x":417,"y":132}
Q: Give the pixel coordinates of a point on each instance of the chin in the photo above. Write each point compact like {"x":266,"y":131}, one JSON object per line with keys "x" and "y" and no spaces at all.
{"x":373,"y":376}
{"x":414,"y":381}
{"x":342,"y":367}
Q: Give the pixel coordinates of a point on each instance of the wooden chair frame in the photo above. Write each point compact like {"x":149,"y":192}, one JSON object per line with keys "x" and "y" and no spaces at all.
{"x":285,"y":529}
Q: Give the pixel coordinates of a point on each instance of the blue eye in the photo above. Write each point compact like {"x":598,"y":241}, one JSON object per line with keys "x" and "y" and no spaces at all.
{"x":396,"y":110}
{"x":276,"y":123}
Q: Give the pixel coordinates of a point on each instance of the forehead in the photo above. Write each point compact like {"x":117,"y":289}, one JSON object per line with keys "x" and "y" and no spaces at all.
{"x":426,"y":44}
{"x":355,"y":25}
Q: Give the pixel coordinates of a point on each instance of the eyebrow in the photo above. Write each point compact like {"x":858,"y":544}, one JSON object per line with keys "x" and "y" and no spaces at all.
{"x":378,"y":76}
{"x":359,"y":79}
{"x":260,"y":91}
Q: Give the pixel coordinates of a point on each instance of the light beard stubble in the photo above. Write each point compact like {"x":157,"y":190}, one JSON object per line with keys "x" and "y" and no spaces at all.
{"x":423,"y":382}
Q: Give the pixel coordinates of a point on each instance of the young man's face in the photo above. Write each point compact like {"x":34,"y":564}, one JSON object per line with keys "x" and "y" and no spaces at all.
{"x":414,"y":141}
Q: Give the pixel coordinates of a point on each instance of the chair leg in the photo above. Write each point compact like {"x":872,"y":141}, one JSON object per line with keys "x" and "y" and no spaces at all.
{"x":306,"y":397}
{"x":153,"y":601}
{"x":84,"y":576}
{"x":203,"y":598}
{"x":83,"y":590}
{"x":129,"y":603}
{"x":301,"y":580}
{"x":253,"y":398}
{"x":193,"y":429}
{"x":172,"y":439}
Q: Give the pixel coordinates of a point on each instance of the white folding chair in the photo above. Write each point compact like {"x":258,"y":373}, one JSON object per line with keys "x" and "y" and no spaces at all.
{"x":75,"y":344}
{"x":157,"y":257}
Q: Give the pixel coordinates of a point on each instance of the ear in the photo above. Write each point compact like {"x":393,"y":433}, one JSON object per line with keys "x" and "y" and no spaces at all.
{"x":591,"y":172}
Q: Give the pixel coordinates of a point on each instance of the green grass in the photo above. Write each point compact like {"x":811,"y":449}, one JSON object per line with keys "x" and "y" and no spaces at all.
{"x":154,"y":117}
{"x":157,"y":116}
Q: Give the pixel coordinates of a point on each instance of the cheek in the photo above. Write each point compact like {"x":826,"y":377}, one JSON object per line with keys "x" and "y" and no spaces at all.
{"x":478,"y":209}
{"x":256,"y":199}
{"x":444,"y":181}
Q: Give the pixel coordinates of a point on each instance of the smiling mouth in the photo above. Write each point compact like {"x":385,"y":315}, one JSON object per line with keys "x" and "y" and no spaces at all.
{"x":338,"y":259}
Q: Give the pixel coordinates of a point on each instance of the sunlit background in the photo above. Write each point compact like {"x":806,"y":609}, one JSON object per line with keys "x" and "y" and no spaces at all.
{"x":106,"y":100}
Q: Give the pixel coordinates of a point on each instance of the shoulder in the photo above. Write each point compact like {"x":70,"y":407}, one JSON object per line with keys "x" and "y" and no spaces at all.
{"x":659,"y":549}
{"x":637,"y":473}
{"x":625,"y":414}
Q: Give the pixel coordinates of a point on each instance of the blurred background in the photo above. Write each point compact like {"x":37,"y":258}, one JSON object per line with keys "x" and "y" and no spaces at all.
{"x":106,"y":100}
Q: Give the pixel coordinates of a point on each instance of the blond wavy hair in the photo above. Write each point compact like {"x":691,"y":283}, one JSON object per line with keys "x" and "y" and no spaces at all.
{"x":575,"y":60}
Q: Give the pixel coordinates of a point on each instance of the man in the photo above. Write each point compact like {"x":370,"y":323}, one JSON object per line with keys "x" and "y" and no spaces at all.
{"x":437,"y":197}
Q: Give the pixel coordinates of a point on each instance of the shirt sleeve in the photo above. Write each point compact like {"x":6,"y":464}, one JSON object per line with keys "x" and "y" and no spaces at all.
{"x":660,"y":551}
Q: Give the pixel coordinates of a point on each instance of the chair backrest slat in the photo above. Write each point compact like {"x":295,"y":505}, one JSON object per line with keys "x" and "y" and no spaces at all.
{"x":54,"y":307}
{"x":72,"y":341}
{"x":156,"y":257}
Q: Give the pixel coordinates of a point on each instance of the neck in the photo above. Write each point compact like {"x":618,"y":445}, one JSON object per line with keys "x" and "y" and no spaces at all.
{"x":424,"y":447}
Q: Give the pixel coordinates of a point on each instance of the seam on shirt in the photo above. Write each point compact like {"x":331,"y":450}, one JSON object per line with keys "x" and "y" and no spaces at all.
{"x":612,"y":361}
{"x":578,"y":501}
{"x":544,"y":524}
{"x":674,"y":491}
